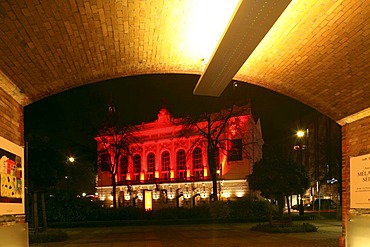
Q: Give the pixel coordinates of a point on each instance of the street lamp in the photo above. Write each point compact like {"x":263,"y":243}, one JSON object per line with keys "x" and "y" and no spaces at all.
{"x":300,"y":135}
{"x":69,"y":160}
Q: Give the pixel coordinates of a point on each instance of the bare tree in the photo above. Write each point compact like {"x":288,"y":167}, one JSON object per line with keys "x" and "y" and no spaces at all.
{"x":210,"y":129}
{"x":114,"y":141}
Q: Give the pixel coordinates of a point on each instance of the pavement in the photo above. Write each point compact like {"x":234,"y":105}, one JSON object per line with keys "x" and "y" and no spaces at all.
{"x":217,"y":235}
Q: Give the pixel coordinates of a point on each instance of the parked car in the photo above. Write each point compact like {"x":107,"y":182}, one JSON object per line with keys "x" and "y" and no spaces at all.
{"x":295,"y":207}
{"x":325,"y":204}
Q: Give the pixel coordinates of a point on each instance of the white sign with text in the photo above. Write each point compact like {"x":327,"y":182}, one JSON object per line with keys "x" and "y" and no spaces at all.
{"x":360,"y":181}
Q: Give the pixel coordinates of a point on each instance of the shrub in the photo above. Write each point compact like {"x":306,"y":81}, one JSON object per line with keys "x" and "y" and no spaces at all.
{"x":219,"y":210}
{"x":49,"y":235}
{"x":305,"y":227}
{"x":64,"y":208}
{"x":247,"y":208}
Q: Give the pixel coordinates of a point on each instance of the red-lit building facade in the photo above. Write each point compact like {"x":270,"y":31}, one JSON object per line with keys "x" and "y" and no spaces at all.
{"x":166,"y":169}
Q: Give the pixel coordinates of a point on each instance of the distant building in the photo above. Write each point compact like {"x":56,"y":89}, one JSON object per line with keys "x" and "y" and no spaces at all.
{"x":167,"y":169}
{"x":319,"y":150}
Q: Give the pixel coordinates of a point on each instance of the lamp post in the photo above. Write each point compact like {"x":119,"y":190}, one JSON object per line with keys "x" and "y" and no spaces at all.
{"x":300,"y":135}
{"x":70,"y":160}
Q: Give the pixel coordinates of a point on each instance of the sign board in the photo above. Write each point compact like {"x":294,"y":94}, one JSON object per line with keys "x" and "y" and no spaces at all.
{"x":360,"y":181}
{"x":11,"y":178}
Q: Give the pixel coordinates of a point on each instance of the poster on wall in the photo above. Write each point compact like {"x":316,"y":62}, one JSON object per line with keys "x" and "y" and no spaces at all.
{"x":11,"y":178}
{"x":360,"y":181}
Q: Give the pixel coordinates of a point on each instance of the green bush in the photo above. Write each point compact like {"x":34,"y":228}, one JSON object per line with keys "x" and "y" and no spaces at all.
{"x":247,"y":208}
{"x":63,"y":208}
{"x":49,"y":235}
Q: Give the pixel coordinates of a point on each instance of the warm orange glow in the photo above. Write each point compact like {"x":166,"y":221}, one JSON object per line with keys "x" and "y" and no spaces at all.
{"x":188,"y":173}
{"x":300,"y":133}
{"x":156,"y":195}
{"x":142,"y":176}
{"x":140,"y":195}
{"x":240,"y":193}
{"x":279,"y":36}
{"x":156,"y":174}
{"x":148,"y":200}
{"x":172,"y":174}
{"x":223,"y":163}
{"x":226,"y":194}
{"x":128,"y":176}
{"x":187,"y":195}
{"x":206,"y":23}
{"x":171,"y":195}
{"x":203,"y":195}
{"x":205,"y":172}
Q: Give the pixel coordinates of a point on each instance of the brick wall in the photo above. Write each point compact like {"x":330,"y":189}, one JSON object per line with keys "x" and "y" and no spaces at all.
{"x":355,"y":142}
{"x":11,"y":119}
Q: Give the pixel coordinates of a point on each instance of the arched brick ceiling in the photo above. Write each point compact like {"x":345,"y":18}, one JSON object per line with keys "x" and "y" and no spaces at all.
{"x":317,"y":52}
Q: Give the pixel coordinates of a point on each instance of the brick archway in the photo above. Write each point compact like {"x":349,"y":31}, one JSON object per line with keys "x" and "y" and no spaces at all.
{"x":316,"y":52}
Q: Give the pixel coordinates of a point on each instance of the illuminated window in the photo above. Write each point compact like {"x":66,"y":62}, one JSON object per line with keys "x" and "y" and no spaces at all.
{"x":123,"y":164}
{"x":197,"y":163}
{"x":137,"y":167}
{"x":165,"y":165}
{"x":123,"y":167}
{"x":151,"y":166}
{"x":197,"y":158}
{"x":181,"y":164}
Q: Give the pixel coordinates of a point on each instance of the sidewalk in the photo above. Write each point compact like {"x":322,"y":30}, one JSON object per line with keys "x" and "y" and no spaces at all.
{"x":218,"y":235}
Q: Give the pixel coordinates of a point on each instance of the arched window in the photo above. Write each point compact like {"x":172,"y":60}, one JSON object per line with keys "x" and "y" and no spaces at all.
{"x":165,"y":165}
{"x":181,"y":164}
{"x":105,"y":161}
{"x":137,"y":167}
{"x":197,"y":159}
{"x":197,"y":163}
{"x":151,"y":166}
{"x":123,"y":162}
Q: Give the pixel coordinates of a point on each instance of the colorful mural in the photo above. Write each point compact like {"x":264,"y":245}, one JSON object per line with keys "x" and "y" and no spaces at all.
{"x":11,"y":178}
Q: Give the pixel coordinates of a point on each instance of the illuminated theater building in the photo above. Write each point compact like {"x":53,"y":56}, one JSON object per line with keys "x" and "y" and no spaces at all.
{"x":166,"y":169}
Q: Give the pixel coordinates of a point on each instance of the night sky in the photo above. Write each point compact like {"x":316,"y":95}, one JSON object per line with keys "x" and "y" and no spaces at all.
{"x":70,"y":119}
